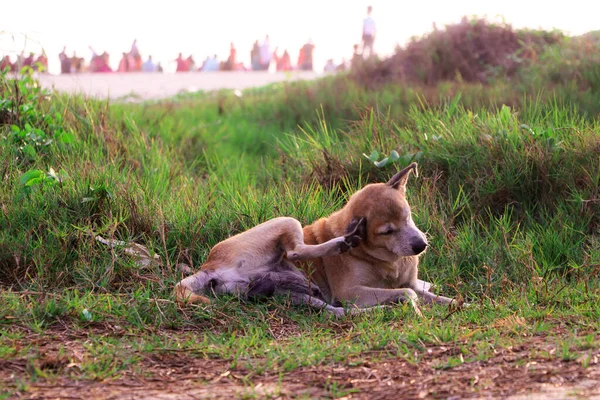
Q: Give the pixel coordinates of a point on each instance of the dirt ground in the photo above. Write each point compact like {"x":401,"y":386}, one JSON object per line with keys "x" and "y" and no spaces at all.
{"x":511,"y":373}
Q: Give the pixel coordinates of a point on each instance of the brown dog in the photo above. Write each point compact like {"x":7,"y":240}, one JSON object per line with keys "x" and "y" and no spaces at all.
{"x":366,"y":254}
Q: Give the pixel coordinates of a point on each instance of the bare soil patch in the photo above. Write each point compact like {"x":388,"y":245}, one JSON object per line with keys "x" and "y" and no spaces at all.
{"x":527,"y":371}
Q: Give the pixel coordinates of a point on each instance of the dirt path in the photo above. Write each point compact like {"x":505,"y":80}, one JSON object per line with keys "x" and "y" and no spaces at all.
{"x":513,"y":373}
{"x":157,"y":86}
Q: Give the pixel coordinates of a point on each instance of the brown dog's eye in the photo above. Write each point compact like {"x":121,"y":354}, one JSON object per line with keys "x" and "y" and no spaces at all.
{"x":388,"y":232}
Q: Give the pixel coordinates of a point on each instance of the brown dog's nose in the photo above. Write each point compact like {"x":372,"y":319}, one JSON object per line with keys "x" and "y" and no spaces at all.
{"x":418,"y":246}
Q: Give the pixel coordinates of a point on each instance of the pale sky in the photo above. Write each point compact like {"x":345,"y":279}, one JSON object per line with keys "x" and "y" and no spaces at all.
{"x":203,"y":28}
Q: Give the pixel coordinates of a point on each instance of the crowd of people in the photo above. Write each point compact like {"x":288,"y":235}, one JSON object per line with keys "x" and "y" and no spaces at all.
{"x":262,"y":58}
{"x":38,"y":63}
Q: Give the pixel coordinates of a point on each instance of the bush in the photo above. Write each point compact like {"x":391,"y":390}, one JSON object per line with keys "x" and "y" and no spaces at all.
{"x":473,"y":50}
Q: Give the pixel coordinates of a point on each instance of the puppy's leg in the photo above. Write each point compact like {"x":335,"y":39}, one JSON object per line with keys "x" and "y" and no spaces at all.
{"x":300,"y":251}
{"x":364,"y":296}
{"x":186,"y":289}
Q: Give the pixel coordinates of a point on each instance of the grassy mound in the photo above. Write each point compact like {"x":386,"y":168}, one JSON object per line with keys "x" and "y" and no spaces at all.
{"x":473,"y":50}
{"x":180,"y":176}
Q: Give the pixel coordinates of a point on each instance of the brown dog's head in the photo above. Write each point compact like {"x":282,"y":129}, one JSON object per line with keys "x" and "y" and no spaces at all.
{"x":389,"y":231}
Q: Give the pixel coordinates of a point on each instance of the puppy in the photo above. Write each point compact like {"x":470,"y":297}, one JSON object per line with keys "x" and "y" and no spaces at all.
{"x":366,"y":254}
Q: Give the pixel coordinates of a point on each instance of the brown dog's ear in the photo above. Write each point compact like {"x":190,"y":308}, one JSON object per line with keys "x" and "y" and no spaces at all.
{"x":399,"y":180}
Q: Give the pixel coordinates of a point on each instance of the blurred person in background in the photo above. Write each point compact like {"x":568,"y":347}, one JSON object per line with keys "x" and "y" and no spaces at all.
{"x":181,"y":64}
{"x":149,"y":65}
{"x":265,"y":55}
{"x":6,"y":63}
{"x":307,"y":56}
{"x":135,"y":61}
{"x":231,"y":60}
{"x":255,"y":56}
{"x":329,"y":66}
{"x":65,"y":61}
{"x":41,"y":63}
{"x":124,"y":63}
{"x":368,"y":33}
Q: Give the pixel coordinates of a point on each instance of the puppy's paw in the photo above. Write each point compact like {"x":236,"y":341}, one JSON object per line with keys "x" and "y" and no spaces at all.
{"x":344,"y":246}
{"x":184,"y":296}
{"x":355,"y":232}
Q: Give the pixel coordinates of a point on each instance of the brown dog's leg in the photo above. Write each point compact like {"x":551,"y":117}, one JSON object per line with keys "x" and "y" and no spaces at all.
{"x":429,"y":297}
{"x":307,"y":300}
{"x":365,"y":296}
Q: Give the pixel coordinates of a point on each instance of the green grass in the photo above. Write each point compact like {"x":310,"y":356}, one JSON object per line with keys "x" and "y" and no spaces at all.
{"x":508,"y":195}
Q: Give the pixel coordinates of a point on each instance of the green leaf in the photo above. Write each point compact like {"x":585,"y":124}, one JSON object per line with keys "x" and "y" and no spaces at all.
{"x":15,"y":128}
{"x":382,"y":163}
{"x":64,"y":137}
{"x":29,"y":151}
{"x":374,"y":155}
{"x":35,"y":181}
{"x":30,"y":175}
{"x":40,"y":132}
{"x":394,"y":156}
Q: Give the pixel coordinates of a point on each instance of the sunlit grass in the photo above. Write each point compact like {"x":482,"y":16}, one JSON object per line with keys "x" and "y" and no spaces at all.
{"x":508,"y":197}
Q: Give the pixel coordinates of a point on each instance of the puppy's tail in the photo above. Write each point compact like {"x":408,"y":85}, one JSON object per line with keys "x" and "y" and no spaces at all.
{"x":187,"y":290}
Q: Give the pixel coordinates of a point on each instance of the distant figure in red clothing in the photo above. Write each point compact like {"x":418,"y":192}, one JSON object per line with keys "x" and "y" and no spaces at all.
{"x":300,"y":58}
{"x":286,"y":61}
{"x":282,"y":63}
{"x":41,"y":63}
{"x":135,"y":60}
{"x":182,"y":65}
{"x":6,"y":64}
{"x":124,"y":63}
{"x":230,"y":64}
{"x":104,"y":63}
{"x":28,"y":61}
{"x":100,"y":63}
{"x":306,"y":63}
